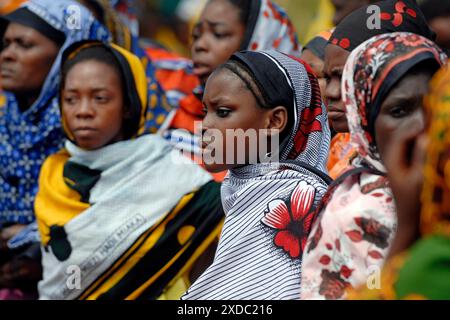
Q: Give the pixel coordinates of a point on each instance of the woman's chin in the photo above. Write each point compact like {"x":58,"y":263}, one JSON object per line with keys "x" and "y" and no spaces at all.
{"x":340,"y":126}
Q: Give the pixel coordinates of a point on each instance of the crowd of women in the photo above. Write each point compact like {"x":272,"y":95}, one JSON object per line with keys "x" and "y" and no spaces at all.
{"x":104,"y":194}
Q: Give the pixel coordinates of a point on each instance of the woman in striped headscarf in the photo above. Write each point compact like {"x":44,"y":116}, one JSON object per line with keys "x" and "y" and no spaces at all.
{"x":269,"y":196}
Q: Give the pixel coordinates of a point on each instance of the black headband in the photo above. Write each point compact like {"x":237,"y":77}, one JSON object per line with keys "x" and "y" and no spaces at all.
{"x":269,"y":78}
{"x":27,"y":18}
{"x":317,"y":47}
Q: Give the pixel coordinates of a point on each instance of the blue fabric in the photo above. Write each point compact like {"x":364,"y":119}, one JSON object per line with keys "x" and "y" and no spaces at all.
{"x":159,"y":109}
{"x":28,"y":235}
{"x":27,"y":138}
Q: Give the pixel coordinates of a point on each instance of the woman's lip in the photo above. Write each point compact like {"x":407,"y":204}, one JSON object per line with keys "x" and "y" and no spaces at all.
{"x":201,"y":70}
{"x":84,"y":131}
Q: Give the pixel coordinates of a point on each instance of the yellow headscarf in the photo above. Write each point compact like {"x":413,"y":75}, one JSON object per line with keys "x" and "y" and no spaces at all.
{"x":435,"y":216}
{"x":64,"y":203}
{"x":133,"y":71}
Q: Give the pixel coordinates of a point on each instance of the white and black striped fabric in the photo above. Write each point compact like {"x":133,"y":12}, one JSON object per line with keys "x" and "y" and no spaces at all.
{"x":248,"y":265}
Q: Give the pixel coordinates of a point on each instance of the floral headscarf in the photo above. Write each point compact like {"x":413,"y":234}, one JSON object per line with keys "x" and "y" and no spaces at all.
{"x":394,"y":16}
{"x":269,"y":28}
{"x":422,"y":272}
{"x":372,"y":69}
{"x":357,"y":222}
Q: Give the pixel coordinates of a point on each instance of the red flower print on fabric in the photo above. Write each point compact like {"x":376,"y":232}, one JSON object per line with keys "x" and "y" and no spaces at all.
{"x":397,"y":17}
{"x":380,"y":183}
{"x":344,"y":43}
{"x":308,"y":125}
{"x":315,"y":239}
{"x":333,"y":285}
{"x":292,"y":219}
{"x":372,"y":231}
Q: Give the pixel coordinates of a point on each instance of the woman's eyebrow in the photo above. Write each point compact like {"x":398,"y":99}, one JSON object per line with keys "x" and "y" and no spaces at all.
{"x":92,"y":89}
{"x":402,"y":99}
{"x":218,"y":100}
{"x":215,"y":23}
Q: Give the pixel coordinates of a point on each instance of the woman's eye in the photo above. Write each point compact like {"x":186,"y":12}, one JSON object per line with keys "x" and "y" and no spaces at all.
{"x":25,"y":45}
{"x":219,"y":35}
{"x":69,"y":100}
{"x":398,"y":112}
{"x":223,"y":113}
{"x":204,"y":111}
{"x":101,"y":99}
{"x":195,"y":34}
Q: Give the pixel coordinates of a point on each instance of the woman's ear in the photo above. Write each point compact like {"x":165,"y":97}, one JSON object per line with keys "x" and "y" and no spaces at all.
{"x":278,"y":118}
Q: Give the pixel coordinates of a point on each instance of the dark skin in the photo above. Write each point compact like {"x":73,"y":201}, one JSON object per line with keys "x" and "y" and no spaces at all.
{"x":217,"y":35}
{"x":229,"y":104}
{"x":25,"y":61}
{"x":20,"y":272}
{"x":402,"y":109}
{"x":402,"y":143}
{"x":93,"y":104}
{"x":404,"y":160}
{"x":93,"y":109}
{"x":317,"y":66}
{"x":344,"y":7}
{"x":7,"y":233}
{"x":335,"y":59}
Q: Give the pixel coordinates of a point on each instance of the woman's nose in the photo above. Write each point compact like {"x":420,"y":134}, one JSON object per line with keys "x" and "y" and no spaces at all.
{"x":333,"y":90}
{"x":201,"y":44}
{"x":8,"y":53}
{"x":85,"y":110}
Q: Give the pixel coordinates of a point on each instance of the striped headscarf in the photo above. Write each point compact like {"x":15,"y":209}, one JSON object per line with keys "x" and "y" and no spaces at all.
{"x":269,"y":207}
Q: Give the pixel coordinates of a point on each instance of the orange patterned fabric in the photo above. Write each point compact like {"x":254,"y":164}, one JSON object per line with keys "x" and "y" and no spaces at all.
{"x":341,"y":154}
{"x":172,"y":72}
